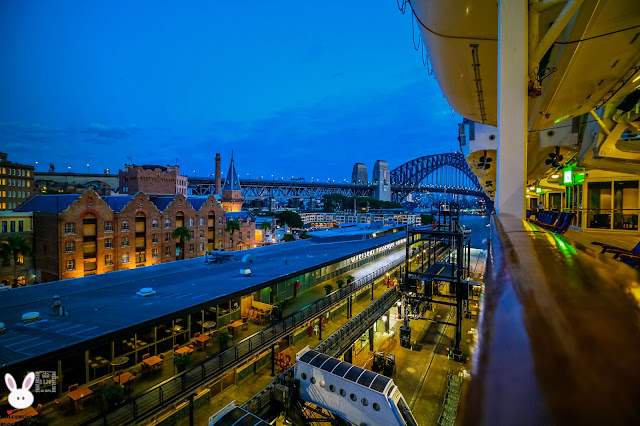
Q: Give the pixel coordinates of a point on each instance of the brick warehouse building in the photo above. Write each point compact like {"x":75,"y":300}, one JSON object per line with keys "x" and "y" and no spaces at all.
{"x":152,"y":179}
{"x":79,"y":235}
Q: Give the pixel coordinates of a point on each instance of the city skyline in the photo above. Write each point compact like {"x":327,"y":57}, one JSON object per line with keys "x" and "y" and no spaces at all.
{"x":303,"y":93}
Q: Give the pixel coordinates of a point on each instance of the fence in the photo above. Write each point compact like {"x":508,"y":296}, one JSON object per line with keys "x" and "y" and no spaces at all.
{"x":450,"y":404}
{"x":174,"y":388}
{"x":334,"y":345}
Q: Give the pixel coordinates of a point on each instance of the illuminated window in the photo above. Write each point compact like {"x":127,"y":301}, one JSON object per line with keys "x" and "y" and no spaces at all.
{"x":71,"y":264}
{"x":70,"y":247}
{"x":125,"y":258}
{"x":20,"y":259}
{"x":108,"y":243}
{"x":154,"y":253}
{"x":125,"y":241}
{"x":22,"y":280}
{"x":108,"y":260}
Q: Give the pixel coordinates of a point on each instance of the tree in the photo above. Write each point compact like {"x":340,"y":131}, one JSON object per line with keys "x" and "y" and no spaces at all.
{"x":304,"y":235}
{"x":13,"y":247}
{"x":288,"y":238}
{"x":291,"y":218}
{"x":427,"y":219}
{"x":232,"y":225}
{"x":181,"y":233}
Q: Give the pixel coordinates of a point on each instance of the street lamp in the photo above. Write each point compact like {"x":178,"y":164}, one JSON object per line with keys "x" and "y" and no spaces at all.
{"x":36,"y":166}
{"x":69,"y":171}
{"x":87,"y":167}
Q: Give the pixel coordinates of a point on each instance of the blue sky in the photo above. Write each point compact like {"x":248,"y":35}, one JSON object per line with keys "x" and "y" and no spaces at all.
{"x":294,"y":88}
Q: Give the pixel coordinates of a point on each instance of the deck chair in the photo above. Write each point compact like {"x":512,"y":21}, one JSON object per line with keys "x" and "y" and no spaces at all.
{"x":630,"y":257}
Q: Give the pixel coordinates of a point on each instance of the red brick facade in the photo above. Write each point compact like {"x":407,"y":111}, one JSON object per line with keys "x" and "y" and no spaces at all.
{"x":157,"y":180}
{"x":93,"y":238}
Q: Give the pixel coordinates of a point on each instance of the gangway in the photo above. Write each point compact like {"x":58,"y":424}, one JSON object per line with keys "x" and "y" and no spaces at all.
{"x":356,"y":395}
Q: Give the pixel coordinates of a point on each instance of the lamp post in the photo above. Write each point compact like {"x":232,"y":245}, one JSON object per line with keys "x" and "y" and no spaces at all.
{"x":87,"y":167}
{"x":36,"y":166}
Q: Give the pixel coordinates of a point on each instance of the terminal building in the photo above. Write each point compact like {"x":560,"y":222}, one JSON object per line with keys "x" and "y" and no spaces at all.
{"x":82,"y":330}
{"x":383,"y":216}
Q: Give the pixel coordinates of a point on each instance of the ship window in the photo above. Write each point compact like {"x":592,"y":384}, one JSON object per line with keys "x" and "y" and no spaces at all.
{"x":342,"y":392}
{"x":365,"y":402}
{"x":376,"y":406}
{"x":332,"y":388}
{"x":353,"y":397}
{"x":313,"y":380}
{"x":303,"y":376}
{"x":321,"y":383}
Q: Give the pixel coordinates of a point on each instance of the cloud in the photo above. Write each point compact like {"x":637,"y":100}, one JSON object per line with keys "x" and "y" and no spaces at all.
{"x":111,"y":132}
{"x":21,"y":132}
{"x":327,"y":138}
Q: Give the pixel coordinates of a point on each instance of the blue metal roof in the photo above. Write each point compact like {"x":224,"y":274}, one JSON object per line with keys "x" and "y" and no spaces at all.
{"x":232,"y":181}
{"x":162,"y":202}
{"x":240,"y":216}
{"x":117,"y":202}
{"x":48,"y":203}
{"x":196,"y":203}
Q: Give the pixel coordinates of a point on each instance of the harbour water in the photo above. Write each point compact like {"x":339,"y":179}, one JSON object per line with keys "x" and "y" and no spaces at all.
{"x":479,"y":229}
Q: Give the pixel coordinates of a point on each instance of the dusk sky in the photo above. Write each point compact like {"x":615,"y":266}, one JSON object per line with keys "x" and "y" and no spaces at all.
{"x":294,"y":88}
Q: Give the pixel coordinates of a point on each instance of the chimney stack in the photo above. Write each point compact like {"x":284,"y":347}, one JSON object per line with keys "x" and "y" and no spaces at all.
{"x":218,"y":180}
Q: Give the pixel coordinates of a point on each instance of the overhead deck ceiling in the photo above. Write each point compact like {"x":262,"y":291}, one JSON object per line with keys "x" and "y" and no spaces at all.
{"x":459,"y":34}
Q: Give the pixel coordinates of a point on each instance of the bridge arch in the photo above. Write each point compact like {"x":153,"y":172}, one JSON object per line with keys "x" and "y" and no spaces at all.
{"x":413,"y":172}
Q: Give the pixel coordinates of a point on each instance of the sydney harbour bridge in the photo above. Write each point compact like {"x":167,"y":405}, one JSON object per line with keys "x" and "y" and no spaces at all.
{"x":439,"y":173}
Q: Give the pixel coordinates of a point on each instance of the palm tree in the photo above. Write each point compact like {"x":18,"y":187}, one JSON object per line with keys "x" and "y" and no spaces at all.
{"x":265,"y":226}
{"x":181,"y":233}
{"x":13,"y":247}
{"x":232,"y":225}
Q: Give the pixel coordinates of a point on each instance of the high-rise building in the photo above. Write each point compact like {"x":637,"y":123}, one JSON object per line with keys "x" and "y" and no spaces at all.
{"x":152,"y":179}
{"x":381,"y":179}
{"x":359,"y":175}
{"x":16,"y":183}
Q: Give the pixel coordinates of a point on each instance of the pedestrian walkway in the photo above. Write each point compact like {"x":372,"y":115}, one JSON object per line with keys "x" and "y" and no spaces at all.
{"x":250,"y":386}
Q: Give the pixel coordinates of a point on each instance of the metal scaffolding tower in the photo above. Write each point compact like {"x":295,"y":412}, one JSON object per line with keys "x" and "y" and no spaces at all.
{"x":438,"y":271}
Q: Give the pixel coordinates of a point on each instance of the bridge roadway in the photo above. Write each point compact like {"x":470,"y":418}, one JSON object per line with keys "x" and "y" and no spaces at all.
{"x":253,"y":189}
